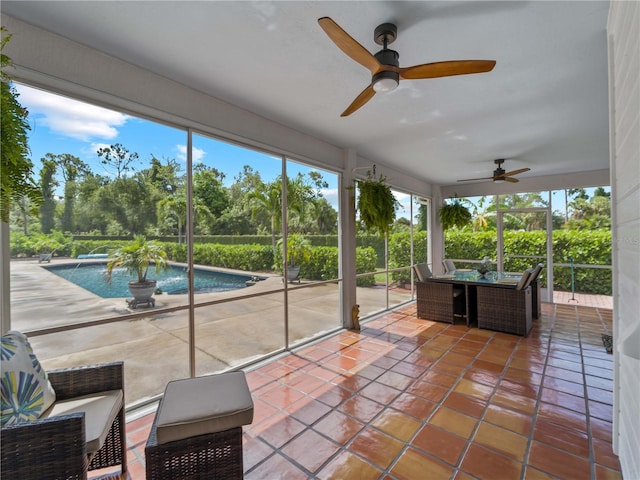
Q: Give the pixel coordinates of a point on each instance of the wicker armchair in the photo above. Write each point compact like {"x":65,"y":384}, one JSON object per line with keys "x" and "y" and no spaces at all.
{"x":505,"y":309}
{"x":440,"y":302}
{"x":55,"y":447}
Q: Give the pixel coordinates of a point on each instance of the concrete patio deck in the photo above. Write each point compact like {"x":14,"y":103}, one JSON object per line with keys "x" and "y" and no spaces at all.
{"x":154,"y":346}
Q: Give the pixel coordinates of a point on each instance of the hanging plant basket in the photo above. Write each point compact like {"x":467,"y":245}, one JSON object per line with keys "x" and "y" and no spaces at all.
{"x":376,"y":204}
{"x":454,"y":214}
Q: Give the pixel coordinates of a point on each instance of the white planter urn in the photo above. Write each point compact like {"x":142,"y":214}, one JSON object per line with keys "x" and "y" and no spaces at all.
{"x":142,"y":293}
{"x":293,"y":273}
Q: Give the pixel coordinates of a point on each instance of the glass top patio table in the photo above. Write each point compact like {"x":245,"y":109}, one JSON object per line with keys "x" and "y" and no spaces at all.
{"x":472,"y":276}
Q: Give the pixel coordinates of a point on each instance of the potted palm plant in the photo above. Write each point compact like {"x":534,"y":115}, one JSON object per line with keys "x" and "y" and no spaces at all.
{"x":136,"y":258}
{"x":298,"y":250}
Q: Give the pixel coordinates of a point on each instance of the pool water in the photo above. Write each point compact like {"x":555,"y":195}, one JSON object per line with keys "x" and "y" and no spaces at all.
{"x":93,"y":277}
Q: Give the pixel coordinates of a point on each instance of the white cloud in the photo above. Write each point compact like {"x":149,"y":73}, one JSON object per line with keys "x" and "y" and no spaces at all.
{"x":69,"y":117}
{"x":197,"y":153}
{"x":332,"y":196}
{"x":93,"y":149}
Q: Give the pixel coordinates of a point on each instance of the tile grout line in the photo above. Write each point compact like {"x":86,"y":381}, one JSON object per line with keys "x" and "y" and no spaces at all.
{"x":592,"y":466}
{"x":424,"y":422}
{"x":534,"y":417}
{"x":387,"y":470}
{"x":484,"y":410}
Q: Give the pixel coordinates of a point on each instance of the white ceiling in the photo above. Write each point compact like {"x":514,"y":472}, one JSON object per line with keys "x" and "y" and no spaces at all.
{"x":544,"y":105}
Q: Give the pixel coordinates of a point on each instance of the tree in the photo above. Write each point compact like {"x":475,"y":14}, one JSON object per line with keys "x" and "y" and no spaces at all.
{"x":401,"y":224}
{"x":266,"y":201}
{"x":209,"y":190}
{"x":421,"y":217}
{"x":521,"y":221}
{"x":47,"y":186}
{"x":128,"y":204}
{"x":601,"y":192}
{"x":166,"y":177}
{"x":72,"y":168}
{"x":234,"y":221}
{"x":484,"y":217}
{"x":590,"y":214}
{"x":118,"y":157}
{"x":90,"y":214}
{"x":326,"y":217}
{"x":173,"y":210}
{"x":245,"y":182}
{"x":16,"y":174}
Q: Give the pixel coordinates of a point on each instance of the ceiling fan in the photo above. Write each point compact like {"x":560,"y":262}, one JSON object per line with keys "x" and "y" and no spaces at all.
{"x":384,"y":66}
{"x":499,"y":174}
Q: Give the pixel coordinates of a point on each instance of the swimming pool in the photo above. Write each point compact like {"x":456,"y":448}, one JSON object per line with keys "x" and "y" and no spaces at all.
{"x":93,"y":277}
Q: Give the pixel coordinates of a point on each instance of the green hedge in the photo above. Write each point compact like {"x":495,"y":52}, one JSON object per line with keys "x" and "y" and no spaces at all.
{"x":592,"y":247}
{"x":323,"y":264}
{"x":400,"y":253}
{"x":256,"y":258}
{"x":375,"y":242}
{"x":586,"y":247}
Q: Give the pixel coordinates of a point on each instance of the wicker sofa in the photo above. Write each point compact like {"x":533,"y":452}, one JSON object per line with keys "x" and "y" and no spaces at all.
{"x":91,"y":402}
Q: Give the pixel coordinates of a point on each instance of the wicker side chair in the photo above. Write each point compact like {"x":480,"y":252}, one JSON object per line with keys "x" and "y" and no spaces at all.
{"x":55,"y":447}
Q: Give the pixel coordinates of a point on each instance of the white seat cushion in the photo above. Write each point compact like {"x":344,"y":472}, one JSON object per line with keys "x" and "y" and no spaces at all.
{"x":201,"y":405}
{"x":100,"y":410}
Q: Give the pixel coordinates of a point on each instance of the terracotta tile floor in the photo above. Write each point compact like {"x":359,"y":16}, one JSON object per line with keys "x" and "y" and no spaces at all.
{"x":412,"y":399}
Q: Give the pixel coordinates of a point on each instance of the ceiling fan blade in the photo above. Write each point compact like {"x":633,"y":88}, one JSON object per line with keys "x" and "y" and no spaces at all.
{"x":349,"y":46}
{"x":446,"y":69}
{"x":516,"y":172}
{"x":474,"y":179}
{"x":366,"y":95}
{"x":509,"y":179}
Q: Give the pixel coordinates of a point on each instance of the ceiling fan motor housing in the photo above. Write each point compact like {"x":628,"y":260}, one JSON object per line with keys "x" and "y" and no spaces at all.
{"x":384,"y":35}
{"x":387,"y":57}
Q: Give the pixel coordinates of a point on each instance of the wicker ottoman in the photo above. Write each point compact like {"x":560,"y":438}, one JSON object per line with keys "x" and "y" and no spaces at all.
{"x":197,"y":431}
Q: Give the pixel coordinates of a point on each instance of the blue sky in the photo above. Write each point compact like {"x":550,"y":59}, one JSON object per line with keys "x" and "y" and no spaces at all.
{"x":62,"y":125}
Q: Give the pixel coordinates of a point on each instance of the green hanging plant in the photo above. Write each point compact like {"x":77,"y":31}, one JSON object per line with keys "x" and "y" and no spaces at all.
{"x":17,"y":180}
{"x":376,"y":204}
{"x":454,"y":214}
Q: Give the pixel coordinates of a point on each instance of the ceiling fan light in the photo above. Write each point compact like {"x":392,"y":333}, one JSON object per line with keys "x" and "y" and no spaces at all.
{"x":385,"y":81}
{"x":498,"y":180}
{"x":385,"y":85}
